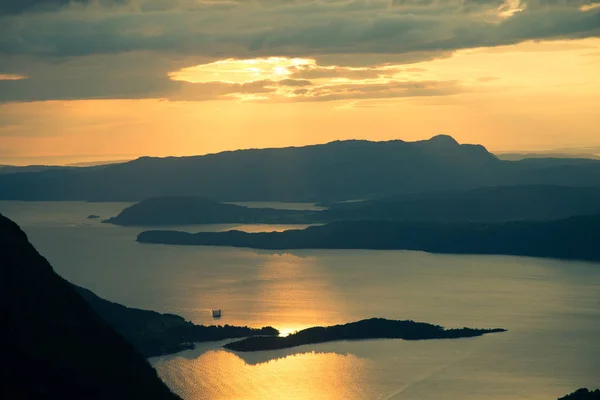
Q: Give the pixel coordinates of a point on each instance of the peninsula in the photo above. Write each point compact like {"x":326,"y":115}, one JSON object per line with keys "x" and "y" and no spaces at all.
{"x":489,"y":204}
{"x":571,"y":238}
{"x":374,"y":328}
{"x":155,"y":334}
{"x":186,"y":210}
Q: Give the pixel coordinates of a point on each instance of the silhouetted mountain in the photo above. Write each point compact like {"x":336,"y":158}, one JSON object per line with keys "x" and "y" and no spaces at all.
{"x":583,"y":394}
{"x":154,"y":334}
{"x":572,"y":238}
{"x":338,"y":170}
{"x":54,"y":345}
{"x":11,"y":169}
{"x":342,"y":170}
{"x":549,"y":155}
{"x":501,"y":203}
{"x":198,"y":210}
{"x":375,"y":328}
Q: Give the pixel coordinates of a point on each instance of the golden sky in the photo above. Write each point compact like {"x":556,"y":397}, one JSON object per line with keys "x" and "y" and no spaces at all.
{"x":157,"y":78}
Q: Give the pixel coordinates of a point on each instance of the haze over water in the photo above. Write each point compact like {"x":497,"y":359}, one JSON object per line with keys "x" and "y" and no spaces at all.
{"x":551,"y":309}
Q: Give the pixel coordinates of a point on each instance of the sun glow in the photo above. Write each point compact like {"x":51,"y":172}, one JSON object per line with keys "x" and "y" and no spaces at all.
{"x":12,"y":77}
{"x":240,"y":71}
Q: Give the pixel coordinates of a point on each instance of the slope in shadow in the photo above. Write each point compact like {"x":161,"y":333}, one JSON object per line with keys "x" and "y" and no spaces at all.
{"x":54,"y":344}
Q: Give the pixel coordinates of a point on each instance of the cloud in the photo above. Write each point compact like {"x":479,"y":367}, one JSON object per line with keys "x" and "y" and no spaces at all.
{"x":393,"y":89}
{"x":310,"y":71}
{"x":253,"y":29}
{"x":12,"y":77}
{"x":294,"y":82}
{"x":128,"y":48}
{"x":129,"y":77}
{"x":8,"y":7}
{"x":186,"y":91}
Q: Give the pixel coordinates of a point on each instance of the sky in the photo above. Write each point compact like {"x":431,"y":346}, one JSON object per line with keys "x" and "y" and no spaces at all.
{"x":96,"y":80}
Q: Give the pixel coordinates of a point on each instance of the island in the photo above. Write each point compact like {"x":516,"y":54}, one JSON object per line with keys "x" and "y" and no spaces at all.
{"x":489,"y":204}
{"x":583,"y":394}
{"x":189,"y":210}
{"x":374,"y":328}
{"x":571,"y":238}
{"x":156,"y":334}
{"x":93,"y":216}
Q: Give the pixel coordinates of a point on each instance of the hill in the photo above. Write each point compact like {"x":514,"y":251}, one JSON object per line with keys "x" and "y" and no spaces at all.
{"x":488,"y":204}
{"x":571,"y":238}
{"x":54,"y":344}
{"x":583,"y":394}
{"x":342,"y":170}
{"x":334,"y":171}
{"x":155,"y":334}
{"x":198,"y":210}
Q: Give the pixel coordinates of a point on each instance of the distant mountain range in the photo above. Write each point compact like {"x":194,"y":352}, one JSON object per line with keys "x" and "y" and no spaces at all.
{"x":583,"y":394}
{"x":342,"y":170}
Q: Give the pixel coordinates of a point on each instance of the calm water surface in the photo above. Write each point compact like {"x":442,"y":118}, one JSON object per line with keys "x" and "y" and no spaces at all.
{"x":551,"y":308}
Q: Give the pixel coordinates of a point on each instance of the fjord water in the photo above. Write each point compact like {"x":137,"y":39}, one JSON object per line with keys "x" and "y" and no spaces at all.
{"x":551,"y":309}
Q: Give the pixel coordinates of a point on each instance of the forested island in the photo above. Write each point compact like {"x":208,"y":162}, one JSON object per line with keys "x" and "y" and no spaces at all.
{"x":374,"y":328}
{"x":571,"y":238}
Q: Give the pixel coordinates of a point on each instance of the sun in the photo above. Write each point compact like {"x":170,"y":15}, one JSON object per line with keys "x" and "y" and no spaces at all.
{"x":282,"y":71}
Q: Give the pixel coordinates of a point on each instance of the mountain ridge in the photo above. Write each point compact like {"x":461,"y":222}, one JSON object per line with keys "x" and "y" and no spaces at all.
{"x":341,"y":170}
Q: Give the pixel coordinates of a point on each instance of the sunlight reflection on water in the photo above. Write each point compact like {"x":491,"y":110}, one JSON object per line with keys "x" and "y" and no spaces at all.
{"x":551,"y":308}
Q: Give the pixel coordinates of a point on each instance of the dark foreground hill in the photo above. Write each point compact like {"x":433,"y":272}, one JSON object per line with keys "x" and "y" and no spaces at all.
{"x":374,"y":328}
{"x":571,"y":238}
{"x":54,"y":346}
{"x":344,"y":170}
{"x":154,"y":334}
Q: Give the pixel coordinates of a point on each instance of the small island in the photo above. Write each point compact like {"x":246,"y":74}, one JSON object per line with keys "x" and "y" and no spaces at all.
{"x":374,"y":328}
{"x":93,"y":216}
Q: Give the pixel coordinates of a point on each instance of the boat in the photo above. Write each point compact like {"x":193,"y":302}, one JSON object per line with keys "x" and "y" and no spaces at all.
{"x":216,"y":313}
